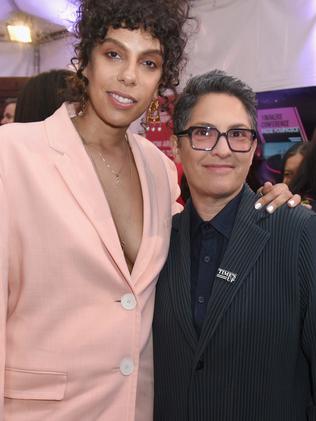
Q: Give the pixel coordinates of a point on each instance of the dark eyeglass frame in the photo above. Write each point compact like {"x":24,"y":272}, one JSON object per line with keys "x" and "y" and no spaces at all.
{"x":188,"y":132}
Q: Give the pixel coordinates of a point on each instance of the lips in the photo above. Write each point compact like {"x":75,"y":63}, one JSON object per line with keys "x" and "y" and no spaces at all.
{"x":219,"y":168}
{"x":122,"y":99}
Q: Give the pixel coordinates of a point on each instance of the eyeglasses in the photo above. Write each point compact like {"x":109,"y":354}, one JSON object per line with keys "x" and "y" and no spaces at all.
{"x":205,"y":138}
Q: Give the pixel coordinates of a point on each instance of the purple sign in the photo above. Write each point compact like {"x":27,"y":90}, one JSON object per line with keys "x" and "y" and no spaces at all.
{"x":280,"y":125}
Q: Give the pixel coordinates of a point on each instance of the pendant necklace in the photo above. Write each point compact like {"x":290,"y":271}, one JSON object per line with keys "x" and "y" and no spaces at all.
{"x":115,"y":173}
{"x":117,"y":179}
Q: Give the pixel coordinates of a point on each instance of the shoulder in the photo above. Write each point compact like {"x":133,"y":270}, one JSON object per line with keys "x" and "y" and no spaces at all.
{"x":21,"y":141}
{"x":31,"y":133}
{"x":20,"y":144}
{"x":296,"y":215}
{"x":309,"y":218}
{"x":18,"y":140}
{"x":16,"y":132}
{"x":292,"y":223}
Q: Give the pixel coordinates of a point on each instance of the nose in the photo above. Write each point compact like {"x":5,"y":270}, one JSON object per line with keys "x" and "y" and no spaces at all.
{"x":221,"y":147}
{"x":127,"y":74}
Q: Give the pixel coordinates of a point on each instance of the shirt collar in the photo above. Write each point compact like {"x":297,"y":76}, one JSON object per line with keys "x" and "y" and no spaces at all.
{"x":223,"y":222}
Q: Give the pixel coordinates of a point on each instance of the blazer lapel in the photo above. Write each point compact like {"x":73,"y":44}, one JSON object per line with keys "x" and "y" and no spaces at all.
{"x":150,"y":211}
{"x":180,"y":276}
{"x":77,"y":171}
{"x":245,"y":246}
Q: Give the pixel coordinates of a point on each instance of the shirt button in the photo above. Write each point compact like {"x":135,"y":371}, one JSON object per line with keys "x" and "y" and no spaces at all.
{"x":206,"y":259}
{"x":126,"y":366}
{"x":201,"y":300}
{"x":128,"y":301}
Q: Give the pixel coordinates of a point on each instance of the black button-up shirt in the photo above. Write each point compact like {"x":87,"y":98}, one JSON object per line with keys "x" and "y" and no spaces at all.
{"x":209,"y":240}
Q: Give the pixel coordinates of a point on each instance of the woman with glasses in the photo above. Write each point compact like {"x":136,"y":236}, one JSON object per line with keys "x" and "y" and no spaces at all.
{"x":235,"y":309}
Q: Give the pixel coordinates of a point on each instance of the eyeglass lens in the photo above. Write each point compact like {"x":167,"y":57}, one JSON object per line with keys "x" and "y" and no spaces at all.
{"x":206,"y":138}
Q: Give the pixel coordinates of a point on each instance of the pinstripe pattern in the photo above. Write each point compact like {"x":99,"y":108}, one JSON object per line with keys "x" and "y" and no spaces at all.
{"x":256,"y":356}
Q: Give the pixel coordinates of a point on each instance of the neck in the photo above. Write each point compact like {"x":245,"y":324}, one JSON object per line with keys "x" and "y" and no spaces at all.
{"x":96,"y":132}
{"x":209,"y":206}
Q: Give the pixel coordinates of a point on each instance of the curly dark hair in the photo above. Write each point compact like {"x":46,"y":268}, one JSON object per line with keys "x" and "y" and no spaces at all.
{"x":163,"y":19}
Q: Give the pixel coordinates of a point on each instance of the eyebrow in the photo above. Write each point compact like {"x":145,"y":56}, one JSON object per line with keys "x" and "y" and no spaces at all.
{"x":153,"y":51}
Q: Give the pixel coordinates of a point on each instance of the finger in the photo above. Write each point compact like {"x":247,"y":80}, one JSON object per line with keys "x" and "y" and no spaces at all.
{"x":271,"y":192}
{"x":268,"y":186}
{"x":282,"y":199}
{"x":279,"y":201}
{"x":275,"y":198}
{"x":294,"y":201}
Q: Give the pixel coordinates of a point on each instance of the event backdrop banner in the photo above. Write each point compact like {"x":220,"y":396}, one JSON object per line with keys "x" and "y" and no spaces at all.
{"x":279,"y":128}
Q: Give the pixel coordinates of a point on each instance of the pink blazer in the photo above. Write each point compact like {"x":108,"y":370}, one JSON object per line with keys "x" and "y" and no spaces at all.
{"x":75,"y":325}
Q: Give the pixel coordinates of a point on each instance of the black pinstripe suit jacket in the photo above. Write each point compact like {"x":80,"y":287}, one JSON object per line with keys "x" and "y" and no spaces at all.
{"x":256,"y":357}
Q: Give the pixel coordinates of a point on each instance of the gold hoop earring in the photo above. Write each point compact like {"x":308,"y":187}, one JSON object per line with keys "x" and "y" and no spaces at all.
{"x":152,"y":120}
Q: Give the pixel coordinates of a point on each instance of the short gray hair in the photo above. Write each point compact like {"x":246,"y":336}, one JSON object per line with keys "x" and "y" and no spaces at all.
{"x":215,"y":81}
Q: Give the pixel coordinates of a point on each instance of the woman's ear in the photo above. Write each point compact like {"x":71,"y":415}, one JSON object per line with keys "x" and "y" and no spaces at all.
{"x":175,"y":148}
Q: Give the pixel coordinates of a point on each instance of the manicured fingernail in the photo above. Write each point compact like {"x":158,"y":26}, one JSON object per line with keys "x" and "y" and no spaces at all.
{"x":270,"y":208}
{"x":258,"y":205}
{"x":291,"y":203}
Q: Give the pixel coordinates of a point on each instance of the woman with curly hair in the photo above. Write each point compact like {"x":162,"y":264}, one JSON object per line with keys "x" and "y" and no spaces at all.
{"x":85,"y":222}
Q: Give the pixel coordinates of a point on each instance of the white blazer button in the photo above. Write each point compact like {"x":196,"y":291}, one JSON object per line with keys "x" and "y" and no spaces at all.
{"x":128,"y":301}
{"x":126,"y":366}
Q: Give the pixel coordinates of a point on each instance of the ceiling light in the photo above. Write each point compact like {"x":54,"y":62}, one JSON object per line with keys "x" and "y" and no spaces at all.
{"x":20,"y":33}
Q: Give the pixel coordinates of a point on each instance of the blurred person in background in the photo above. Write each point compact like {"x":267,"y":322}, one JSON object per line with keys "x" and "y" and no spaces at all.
{"x":42,"y":95}
{"x":292,"y":160}
{"x":9,"y":111}
{"x":304,"y":180}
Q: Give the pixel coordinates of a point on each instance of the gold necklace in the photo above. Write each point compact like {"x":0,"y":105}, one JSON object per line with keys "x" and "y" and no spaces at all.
{"x":115,"y":173}
{"x":117,"y":180}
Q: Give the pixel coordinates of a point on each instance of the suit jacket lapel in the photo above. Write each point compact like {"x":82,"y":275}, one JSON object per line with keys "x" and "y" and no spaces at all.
{"x":76,"y":169}
{"x":245,"y":246}
{"x":150,"y":211}
{"x":179,"y":274}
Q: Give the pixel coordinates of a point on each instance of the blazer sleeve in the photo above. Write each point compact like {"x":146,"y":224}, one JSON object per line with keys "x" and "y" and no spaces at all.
{"x":307,"y":275}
